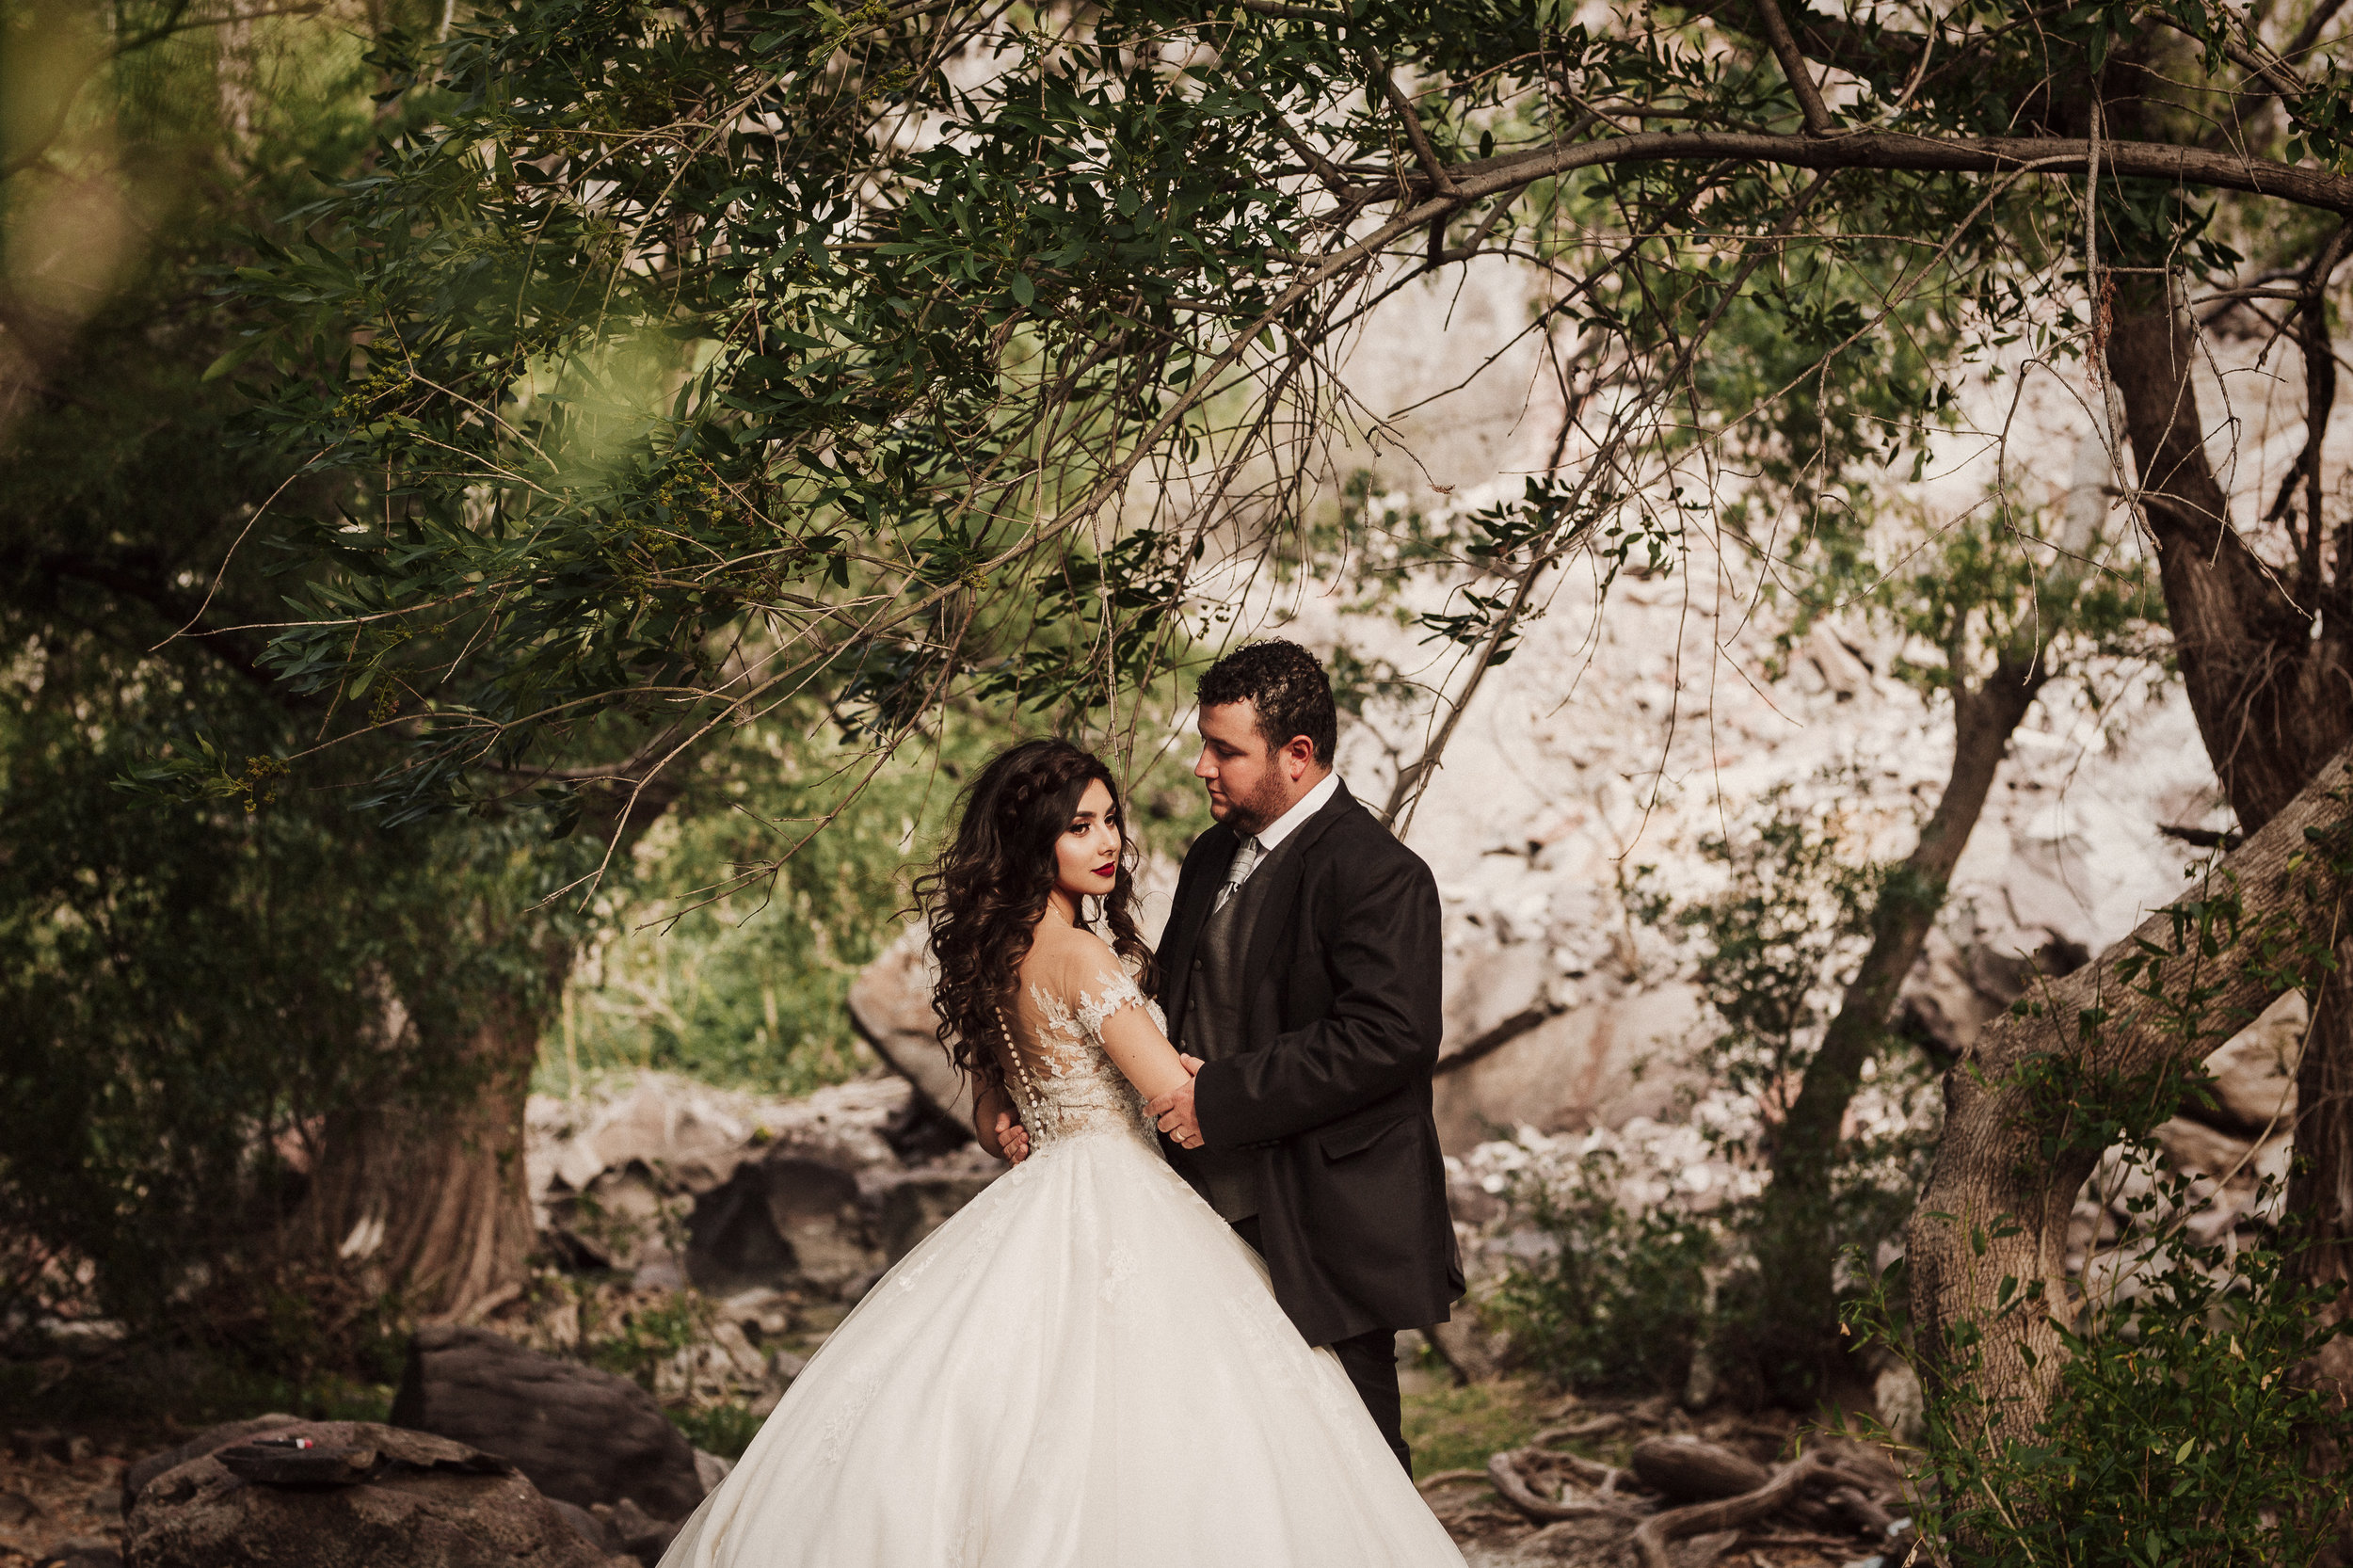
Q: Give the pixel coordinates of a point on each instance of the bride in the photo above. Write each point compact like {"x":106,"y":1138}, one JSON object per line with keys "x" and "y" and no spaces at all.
{"x":1084,"y":1367}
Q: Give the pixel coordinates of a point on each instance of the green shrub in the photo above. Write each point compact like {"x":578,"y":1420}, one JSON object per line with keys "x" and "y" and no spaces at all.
{"x":1617,"y":1301}
{"x":2186,"y":1432}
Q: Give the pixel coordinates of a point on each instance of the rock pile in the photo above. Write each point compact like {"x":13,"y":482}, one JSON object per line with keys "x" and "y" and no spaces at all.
{"x":353,"y":1494}
{"x":672,"y":1183}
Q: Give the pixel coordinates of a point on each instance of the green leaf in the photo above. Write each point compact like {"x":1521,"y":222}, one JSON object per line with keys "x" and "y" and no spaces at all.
{"x":1024,"y":292}
{"x":231,"y":358}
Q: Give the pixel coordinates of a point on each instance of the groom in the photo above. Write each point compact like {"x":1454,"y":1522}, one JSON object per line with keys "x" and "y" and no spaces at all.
{"x":1301,"y":963}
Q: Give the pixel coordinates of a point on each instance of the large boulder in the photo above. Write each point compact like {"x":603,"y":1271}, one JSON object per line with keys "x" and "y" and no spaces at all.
{"x":1601,"y":1064}
{"x":581,"y":1435}
{"x":909,"y":1207}
{"x":891,"y":1007}
{"x":783,"y":1220}
{"x":398,"y":1499}
{"x":620,"y":1177}
{"x":147,"y":1469}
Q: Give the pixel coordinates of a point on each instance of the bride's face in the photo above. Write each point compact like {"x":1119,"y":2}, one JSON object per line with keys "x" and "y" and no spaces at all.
{"x":1086,"y":857}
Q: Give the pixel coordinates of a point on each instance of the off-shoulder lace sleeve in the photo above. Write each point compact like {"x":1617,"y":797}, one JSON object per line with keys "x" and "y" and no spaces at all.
{"x":1094,"y":985}
{"x":1109,"y":992}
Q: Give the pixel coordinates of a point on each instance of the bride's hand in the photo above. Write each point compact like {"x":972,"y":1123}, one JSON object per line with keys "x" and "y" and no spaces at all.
{"x":1013,"y":1137}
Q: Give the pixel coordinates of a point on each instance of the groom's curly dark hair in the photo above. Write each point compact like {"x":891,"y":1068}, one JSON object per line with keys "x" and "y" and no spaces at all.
{"x":1286,"y":684}
{"x":985,"y":894}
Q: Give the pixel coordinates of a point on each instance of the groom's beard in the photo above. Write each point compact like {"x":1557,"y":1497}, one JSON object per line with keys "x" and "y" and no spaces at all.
{"x":1248,"y":818}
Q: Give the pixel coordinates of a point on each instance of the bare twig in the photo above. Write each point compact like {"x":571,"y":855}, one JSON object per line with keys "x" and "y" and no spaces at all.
{"x":1493,"y":1040}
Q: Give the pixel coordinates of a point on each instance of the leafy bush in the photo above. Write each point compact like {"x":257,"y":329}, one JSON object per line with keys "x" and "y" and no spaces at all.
{"x":2186,"y":1432}
{"x":1617,"y":1300}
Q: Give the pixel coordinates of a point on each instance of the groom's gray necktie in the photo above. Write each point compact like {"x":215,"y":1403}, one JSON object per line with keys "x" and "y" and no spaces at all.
{"x":1245,"y":861}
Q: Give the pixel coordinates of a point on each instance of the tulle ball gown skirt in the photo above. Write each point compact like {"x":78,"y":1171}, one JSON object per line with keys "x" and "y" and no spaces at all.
{"x":1084,"y":1368}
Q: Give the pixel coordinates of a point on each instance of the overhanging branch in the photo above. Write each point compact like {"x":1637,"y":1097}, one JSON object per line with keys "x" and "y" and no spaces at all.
{"x":1896,"y":152}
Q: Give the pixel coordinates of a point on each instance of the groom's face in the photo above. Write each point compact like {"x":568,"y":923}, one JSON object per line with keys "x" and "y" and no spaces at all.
{"x":1250,"y":783}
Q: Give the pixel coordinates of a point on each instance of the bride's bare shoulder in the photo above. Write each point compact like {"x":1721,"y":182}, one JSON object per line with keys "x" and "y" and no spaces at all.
{"x":1066,"y":945}
{"x":1069,"y":961}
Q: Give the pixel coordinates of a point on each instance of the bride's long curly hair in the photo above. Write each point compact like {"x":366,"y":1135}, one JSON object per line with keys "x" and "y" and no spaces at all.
{"x":984,"y":895}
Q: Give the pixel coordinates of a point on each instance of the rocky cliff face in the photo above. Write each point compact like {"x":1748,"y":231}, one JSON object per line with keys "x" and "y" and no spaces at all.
{"x":1599,"y":760}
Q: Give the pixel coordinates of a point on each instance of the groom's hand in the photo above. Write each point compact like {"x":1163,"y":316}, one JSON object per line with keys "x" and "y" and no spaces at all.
{"x":1013,"y":1137}
{"x":1174,"y":1114}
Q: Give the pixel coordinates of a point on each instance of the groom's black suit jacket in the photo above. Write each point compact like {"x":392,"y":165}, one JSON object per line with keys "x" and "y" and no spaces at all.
{"x":1330,"y":1088}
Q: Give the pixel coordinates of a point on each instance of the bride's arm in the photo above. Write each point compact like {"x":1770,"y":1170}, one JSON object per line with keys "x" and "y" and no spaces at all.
{"x":1141,"y":1053}
{"x":1090,"y":981}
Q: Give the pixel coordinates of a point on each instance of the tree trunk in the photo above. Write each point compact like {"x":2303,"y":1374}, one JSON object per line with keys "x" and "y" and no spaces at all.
{"x":2273,"y":701}
{"x":2267,"y":657}
{"x":1798,"y":1340}
{"x":429,"y":1201}
{"x":2320,"y":1182}
{"x":1987,"y":1241}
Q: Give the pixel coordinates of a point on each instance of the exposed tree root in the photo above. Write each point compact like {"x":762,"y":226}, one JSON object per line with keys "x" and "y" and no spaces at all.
{"x":1653,"y":1536}
{"x":1503,"y":1470}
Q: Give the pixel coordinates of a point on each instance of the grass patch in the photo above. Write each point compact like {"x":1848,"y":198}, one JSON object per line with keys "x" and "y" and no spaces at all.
{"x":1456,"y":1429}
{"x":725,"y":1429}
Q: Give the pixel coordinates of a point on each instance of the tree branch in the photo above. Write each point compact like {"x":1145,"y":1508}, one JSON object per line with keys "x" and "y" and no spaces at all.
{"x":1424,"y":154}
{"x":37,"y":147}
{"x":1899,"y":151}
{"x":1987,"y":1242}
{"x":1817,"y":117}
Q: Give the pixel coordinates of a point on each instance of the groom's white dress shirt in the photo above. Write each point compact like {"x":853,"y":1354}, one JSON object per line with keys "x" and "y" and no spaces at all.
{"x":1257,"y":848}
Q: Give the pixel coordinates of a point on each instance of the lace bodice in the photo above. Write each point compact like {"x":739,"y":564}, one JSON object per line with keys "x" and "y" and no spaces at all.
{"x":1061,"y":1080}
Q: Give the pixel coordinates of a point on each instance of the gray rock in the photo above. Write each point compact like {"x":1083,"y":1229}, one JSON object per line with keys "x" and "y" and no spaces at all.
{"x":433,"y":1503}
{"x":782,"y":1220}
{"x":2253,"y":1078}
{"x":581,"y":1435}
{"x":712,"y":1468}
{"x":16,"y":1508}
{"x":635,"y":1535}
{"x":585,"y":1525}
{"x":891,"y":1007}
{"x":1600,"y":1065}
{"x":618,"y":1179}
{"x":912,"y":1207}
{"x":620,"y":1219}
{"x":2197,"y":1149}
{"x":134,"y":1479}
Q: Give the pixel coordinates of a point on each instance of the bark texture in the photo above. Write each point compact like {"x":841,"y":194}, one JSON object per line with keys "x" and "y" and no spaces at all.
{"x":2273,"y":701}
{"x":2267,"y":657}
{"x":1987,"y":1241}
{"x":430,"y":1202}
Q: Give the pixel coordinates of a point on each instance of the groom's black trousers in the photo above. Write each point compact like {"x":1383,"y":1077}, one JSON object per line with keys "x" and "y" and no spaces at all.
{"x":1371,"y":1362}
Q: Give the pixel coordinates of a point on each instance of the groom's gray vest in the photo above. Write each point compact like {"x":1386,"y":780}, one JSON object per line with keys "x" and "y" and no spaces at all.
{"x":1212,"y":1030}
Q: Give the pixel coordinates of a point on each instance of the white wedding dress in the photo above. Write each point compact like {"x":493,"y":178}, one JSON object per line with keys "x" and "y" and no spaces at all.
{"x":1085,"y":1368}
